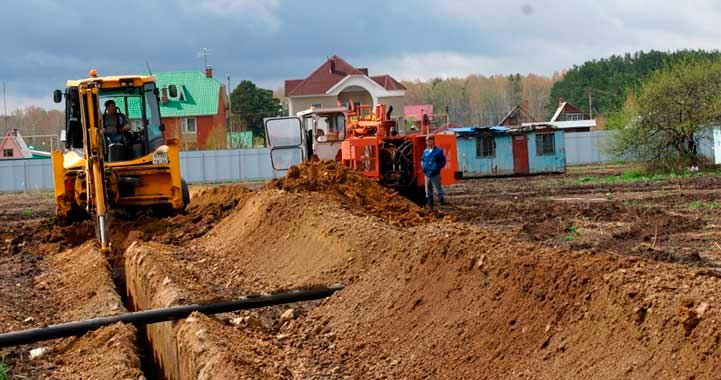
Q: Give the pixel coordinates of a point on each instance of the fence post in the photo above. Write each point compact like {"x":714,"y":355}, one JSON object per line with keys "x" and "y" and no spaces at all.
{"x":26,"y":175}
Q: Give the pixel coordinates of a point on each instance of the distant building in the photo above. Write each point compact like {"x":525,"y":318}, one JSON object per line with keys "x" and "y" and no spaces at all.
{"x":569,"y":118}
{"x":13,"y":146}
{"x":499,"y":151}
{"x":518,"y":115}
{"x":197,"y":115}
{"x":337,"y":81}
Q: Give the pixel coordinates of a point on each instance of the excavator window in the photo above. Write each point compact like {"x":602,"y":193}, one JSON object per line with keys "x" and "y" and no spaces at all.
{"x":139,"y":106}
{"x":73,"y":127}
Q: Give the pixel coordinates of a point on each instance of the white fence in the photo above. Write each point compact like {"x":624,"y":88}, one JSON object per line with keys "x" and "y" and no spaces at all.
{"x":254,"y":164}
{"x":196,"y":167}
{"x":592,"y":147}
{"x":587,"y":147}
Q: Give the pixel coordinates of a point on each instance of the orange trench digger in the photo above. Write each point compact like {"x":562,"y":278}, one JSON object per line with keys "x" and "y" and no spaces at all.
{"x":363,"y":140}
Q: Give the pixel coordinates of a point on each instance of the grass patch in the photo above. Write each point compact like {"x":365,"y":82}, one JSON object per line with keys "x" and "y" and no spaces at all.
{"x":571,"y":233}
{"x":704,"y":205}
{"x":27,"y":213}
{"x":4,"y":370}
{"x":635,"y":176}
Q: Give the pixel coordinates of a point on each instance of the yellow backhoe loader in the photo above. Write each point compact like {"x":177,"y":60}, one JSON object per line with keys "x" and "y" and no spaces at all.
{"x":115,"y":155}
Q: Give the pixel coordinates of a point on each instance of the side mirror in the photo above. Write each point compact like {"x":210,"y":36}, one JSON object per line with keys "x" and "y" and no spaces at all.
{"x":173,"y":90}
{"x":57,"y":96}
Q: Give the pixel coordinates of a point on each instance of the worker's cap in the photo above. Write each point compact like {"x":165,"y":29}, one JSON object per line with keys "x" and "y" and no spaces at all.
{"x":109,"y":102}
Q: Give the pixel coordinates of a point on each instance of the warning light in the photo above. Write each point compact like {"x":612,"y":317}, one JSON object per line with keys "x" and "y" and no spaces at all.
{"x":93,"y":73}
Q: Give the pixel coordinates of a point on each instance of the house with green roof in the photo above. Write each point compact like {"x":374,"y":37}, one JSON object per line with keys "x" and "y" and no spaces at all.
{"x":197,"y":114}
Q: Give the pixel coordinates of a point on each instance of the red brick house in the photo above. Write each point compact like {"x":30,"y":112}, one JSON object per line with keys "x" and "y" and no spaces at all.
{"x":569,"y":118}
{"x":198,"y":114}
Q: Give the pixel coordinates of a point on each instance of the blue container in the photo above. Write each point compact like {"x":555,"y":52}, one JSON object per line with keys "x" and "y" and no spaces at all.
{"x":500,"y":151}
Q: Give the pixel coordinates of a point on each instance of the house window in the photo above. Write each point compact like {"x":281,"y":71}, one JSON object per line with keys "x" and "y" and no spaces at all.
{"x":317,"y":105}
{"x":485,"y":146}
{"x":575,"y":116}
{"x":545,"y":144}
{"x":7,"y":152}
{"x":189,"y":126}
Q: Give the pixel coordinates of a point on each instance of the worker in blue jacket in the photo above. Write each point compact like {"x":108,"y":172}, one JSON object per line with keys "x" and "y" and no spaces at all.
{"x":433,"y":161}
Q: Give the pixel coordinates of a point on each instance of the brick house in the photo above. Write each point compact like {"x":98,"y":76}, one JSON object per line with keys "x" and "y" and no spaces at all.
{"x":338,"y":81}
{"x":571,"y":118}
{"x":198,"y":114}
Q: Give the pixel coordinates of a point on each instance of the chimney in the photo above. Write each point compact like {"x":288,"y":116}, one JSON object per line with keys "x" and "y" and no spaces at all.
{"x":209,"y":71}
{"x":164,"y":95}
{"x":332,"y":66}
{"x":364,"y":70}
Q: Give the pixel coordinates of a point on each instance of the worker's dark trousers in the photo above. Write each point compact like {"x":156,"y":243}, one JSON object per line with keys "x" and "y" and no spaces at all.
{"x":432,"y":182}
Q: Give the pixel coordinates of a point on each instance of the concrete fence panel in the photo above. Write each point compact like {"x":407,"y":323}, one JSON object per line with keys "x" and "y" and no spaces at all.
{"x":196,"y":167}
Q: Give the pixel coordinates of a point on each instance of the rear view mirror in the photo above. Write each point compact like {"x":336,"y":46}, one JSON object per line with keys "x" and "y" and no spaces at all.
{"x":173,"y":90}
{"x":57,"y":96}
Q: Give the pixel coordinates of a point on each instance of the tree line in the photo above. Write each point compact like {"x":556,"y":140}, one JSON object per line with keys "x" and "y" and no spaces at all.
{"x":482,"y":100}
{"x":609,"y":81}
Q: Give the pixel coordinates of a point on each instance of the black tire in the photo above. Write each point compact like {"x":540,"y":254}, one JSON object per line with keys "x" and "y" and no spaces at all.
{"x":186,"y":193}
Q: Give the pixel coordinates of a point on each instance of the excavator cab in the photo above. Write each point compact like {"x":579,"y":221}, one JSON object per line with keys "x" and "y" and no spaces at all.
{"x":134,"y":169}
{"x":316,"y":132}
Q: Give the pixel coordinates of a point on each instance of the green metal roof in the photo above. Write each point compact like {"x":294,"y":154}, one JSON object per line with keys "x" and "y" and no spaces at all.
{"x":200,"y":93}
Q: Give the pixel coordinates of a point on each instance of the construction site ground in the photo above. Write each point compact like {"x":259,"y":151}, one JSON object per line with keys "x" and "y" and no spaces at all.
{"x":594,"y":274}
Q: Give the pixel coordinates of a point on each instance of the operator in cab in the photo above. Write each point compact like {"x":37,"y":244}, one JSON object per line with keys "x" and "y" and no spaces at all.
{"x":115,"y":124}
{"x":433,"y":161}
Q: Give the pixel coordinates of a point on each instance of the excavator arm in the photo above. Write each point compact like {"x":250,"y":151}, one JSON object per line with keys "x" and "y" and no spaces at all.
{"x":94,"y":170}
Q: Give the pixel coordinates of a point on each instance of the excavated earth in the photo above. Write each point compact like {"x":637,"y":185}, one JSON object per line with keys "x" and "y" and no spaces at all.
{"x":521,"y":278}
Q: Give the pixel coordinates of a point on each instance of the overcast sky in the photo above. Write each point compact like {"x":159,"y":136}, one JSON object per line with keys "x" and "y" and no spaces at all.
{"x":45,"y":42}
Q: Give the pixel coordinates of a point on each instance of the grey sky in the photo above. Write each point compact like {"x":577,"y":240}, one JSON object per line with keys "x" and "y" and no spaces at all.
{"x":44,"y":42}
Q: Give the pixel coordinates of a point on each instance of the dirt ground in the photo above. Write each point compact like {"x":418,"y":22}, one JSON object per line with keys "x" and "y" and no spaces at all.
{"x":546,"y":277}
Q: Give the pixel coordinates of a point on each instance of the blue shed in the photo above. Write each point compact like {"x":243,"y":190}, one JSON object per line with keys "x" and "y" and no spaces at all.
{"x":498,"y":151}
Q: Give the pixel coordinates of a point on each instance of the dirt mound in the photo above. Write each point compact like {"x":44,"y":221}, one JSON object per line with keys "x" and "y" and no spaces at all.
{"x":207,"y":207}
{"x":355,"y":188}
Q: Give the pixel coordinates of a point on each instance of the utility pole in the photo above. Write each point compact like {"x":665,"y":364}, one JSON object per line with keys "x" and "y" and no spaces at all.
{"x":230,"y":106}
{"x":5,"y":108}
{"x":590,"y":102}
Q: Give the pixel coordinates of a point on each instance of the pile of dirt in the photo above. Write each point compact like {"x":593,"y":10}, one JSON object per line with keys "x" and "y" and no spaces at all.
{"x":208,"y":206}
{"x":354,"y":188}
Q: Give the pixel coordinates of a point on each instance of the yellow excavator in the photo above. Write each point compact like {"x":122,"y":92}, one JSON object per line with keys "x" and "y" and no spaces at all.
{"x":133,"y":167}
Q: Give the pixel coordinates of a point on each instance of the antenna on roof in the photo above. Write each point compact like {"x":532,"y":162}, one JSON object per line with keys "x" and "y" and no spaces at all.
{"x":204,"y":52}
{"x":149,"y":70}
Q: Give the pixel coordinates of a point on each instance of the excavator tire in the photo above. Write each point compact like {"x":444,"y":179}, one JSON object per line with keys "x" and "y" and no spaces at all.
{"x":186,"y":194}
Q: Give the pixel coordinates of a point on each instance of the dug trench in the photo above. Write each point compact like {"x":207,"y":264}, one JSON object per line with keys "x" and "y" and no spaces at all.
{"x":426,"y":296}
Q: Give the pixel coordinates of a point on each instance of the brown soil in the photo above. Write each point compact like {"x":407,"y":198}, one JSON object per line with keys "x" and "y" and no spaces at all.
{"x":62,"y":287}
{"x":351,"y":187}
{"x":536,"y":278}
{"x":449,"y":299}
